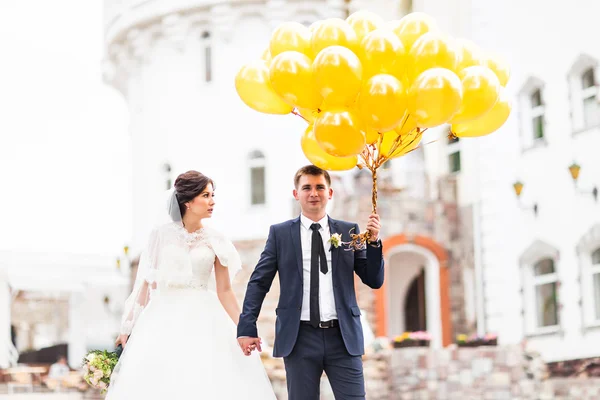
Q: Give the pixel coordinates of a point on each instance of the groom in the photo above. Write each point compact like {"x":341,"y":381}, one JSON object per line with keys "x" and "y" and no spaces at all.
{"x":318,"y":324}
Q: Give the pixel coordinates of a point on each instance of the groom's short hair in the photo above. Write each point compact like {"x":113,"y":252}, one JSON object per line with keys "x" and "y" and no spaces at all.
{"x":311,"y":170}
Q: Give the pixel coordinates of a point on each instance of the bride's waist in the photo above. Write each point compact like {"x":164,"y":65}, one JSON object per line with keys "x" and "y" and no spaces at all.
{"x":182,"y":284}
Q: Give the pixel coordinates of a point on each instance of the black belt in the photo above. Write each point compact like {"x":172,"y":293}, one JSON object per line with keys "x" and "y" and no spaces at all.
{"x":334,"y":323}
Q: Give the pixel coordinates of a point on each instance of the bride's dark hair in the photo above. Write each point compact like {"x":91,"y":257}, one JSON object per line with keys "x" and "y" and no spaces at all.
{"x":189,"y":185}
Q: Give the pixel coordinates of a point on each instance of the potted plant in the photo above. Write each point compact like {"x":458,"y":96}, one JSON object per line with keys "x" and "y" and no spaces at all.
{"x":412,"y":339}
{"x":474,"y":340}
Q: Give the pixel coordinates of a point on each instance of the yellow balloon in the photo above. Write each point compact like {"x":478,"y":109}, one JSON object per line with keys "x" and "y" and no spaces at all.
{"x":266,"y":56}
{"x":292,"y":78}
{"x":498,"y":64}
{"x":429,"y":51}
{"x":408,"y":124}
{"x":364,"y":22}
{"x":480,"y":91}
{"x":339,"y":133}
{"x":412,"y":26}
{"x":332,"y":32}
{"x":371,"y":135}
{"x":488,"y":123}
{"x":253,"y":85}
{"x":469,"y":54}
{"x":406,"y":143}
{"x":382,"y":102}
{"x":309,"y":115}
{"x":381,"y":52}
{"x":338,"y":74}
{"x":318,"y":156}
{"x":314,"y":25}
{"x":290,"y":36}
{"x":434,"y":97}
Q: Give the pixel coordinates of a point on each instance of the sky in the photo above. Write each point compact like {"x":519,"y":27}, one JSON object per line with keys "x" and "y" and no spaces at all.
{"x":64,"y":143}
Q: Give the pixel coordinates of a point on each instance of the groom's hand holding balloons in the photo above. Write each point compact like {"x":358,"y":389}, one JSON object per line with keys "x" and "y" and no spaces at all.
{"x":374,"y":226}
{"x":248,"y":345}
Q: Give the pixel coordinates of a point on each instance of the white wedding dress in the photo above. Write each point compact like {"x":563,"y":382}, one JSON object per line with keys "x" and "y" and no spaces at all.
{"x":182,"y":343}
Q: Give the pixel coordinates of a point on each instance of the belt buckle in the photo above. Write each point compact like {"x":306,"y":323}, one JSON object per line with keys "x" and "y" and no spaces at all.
{"x":324,"y":325}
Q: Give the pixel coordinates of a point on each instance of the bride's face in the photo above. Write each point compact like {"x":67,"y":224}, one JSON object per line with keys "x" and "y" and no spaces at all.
{"x":202,"y":206}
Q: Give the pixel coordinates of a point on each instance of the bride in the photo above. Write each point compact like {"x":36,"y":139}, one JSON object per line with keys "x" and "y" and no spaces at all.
{"x":179,"y":337}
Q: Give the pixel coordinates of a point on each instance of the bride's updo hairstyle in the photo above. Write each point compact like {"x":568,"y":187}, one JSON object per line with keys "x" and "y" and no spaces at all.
{"x":188,"y":186}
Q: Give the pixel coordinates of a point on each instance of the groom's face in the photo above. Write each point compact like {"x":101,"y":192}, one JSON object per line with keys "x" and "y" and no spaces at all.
{"x":313,"y":193}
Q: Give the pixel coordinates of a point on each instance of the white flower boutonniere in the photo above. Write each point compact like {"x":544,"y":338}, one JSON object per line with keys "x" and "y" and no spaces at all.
{"x":335,"y":240}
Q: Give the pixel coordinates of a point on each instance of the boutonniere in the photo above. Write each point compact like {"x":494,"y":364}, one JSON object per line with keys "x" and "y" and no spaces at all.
{"x":335,"y":240}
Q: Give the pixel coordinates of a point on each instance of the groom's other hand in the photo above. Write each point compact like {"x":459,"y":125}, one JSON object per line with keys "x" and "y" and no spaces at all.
{"x":248,"y":344}
{"x":374,"y":226}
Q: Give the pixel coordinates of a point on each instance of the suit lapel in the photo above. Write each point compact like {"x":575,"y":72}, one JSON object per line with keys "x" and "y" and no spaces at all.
{"x":335,"y":252}
{"x":297,"y":244}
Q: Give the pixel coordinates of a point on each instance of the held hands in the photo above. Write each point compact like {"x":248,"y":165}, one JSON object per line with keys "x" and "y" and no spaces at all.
{"x":248,"y":345}
{"x":374,"y":226}
{"x":121,"y":340}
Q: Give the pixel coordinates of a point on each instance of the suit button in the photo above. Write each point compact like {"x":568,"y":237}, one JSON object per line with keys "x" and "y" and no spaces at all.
{"x":300,"y":308}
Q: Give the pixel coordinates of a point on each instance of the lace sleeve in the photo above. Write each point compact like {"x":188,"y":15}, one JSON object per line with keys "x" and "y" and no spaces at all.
{"x":225,"y":251}
{"x":145,"y":284}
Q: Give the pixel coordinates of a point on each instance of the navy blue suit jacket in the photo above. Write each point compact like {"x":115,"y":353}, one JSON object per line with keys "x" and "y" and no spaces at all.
{"x":283,"y":254}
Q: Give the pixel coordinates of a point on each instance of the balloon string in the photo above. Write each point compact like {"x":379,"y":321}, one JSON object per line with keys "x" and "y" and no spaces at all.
{"x":295,"y":112}
{"x":374,"y":192}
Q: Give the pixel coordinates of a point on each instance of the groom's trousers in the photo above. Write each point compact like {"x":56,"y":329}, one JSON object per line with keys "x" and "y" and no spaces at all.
{"x":319,"y":350}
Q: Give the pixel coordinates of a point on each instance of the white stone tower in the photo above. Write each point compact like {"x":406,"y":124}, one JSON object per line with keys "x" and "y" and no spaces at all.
{"x":175,"y":63}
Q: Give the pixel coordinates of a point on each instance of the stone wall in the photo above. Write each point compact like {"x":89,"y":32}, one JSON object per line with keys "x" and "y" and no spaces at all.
{"x":482,"y":373}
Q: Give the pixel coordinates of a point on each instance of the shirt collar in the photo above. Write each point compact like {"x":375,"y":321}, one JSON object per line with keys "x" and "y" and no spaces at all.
{"x":307,"y":222}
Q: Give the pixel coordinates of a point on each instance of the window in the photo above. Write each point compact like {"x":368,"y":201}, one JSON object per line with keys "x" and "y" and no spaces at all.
{"x":206,"y":42}
{"x":453,"y":154}
{"x":585,"y":108}
{"x":595,"y":270}
{"x":545,"y":293}
{"x":588,"y":252}
{"x":537,"y":114}
{"x":532,"y":111}
{"x":167,"y":176}
{"x":589,"y":92}
{"x":257,"y":178}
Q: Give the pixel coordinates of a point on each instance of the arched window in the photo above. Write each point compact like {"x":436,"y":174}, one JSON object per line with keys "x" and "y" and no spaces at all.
{"x":583,"y":87}
{"x":595,"y":271}
{"x":206,"y":43}
{"x":532,"y":112}
{"x":257,"y":164}
{"x":167,"y":176}
{"x":589,"y":99}
{"x":545,"y":292}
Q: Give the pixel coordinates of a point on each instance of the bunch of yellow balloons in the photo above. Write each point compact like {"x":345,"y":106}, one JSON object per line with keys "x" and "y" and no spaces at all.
{"x":369,"y":88}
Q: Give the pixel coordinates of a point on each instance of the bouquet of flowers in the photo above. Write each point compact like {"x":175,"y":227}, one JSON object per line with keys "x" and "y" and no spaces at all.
{"x":98,"y":366}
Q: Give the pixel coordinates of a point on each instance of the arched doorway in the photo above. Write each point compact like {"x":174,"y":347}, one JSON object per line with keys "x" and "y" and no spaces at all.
{"x":415,"y":293}
{"x":415,"y":305}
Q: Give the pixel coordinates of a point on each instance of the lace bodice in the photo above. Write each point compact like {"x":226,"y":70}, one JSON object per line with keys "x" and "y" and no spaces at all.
{"x":177,"y":259}
{"x":187,"y":261}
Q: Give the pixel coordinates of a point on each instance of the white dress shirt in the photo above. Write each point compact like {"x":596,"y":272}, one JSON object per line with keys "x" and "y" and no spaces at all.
{"x":326,"y":298}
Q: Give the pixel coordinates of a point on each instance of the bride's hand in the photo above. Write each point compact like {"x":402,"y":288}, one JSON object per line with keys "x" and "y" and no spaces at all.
{"x":122,"y":340}
{"x":248,"y":345}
